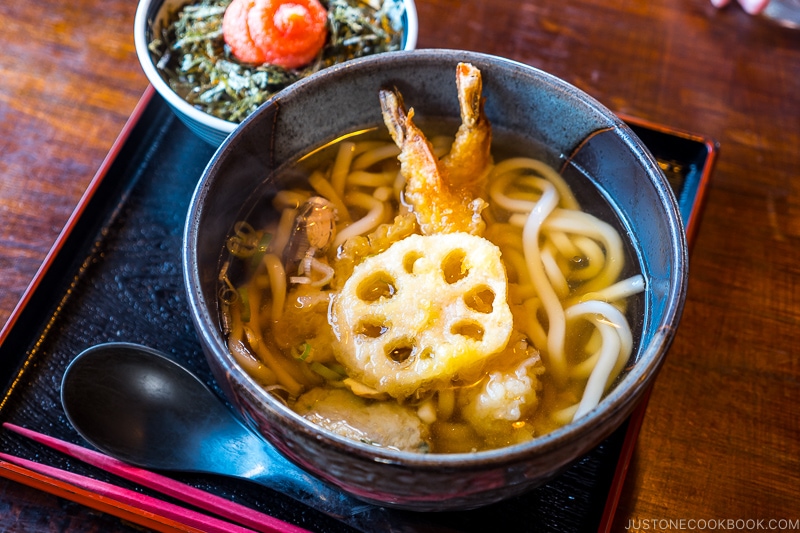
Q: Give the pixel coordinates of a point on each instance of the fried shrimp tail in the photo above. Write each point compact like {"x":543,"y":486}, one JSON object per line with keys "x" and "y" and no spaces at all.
{"x":437,"y":207}
{"x":468,"y":161}
{"x":394,"y":115}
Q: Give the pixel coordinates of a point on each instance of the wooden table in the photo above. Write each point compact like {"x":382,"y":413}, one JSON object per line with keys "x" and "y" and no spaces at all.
{"x":721,"y":436}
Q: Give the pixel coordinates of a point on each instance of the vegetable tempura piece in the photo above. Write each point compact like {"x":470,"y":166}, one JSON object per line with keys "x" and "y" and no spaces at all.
{"x":422,"y":312}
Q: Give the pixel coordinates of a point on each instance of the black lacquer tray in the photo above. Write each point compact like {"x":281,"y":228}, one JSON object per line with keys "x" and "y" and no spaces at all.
{"x":115,"y":274}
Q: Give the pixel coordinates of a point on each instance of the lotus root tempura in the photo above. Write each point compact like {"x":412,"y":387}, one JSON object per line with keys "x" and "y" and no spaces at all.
{"x":432,"y":289}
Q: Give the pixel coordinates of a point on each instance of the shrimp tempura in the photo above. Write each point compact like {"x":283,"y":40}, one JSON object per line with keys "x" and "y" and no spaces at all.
{"x":442,"y":194}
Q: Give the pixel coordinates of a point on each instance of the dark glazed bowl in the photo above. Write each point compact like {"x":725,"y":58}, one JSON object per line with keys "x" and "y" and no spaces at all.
{"x":584,"y":139}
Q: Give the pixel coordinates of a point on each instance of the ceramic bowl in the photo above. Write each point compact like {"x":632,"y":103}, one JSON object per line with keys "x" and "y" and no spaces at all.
{"x":595,"y":148}
{"x":152,"y":15}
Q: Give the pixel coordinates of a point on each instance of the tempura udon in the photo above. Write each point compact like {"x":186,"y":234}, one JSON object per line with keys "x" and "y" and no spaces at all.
{"x":524,"y":321}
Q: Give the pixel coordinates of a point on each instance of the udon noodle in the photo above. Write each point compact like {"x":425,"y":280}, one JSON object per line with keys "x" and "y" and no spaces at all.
{"x":285,"y":286}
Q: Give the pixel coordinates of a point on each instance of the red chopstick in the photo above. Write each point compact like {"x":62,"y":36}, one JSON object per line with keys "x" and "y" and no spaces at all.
{"x":147,"y":503}
{"x":225,"y":508}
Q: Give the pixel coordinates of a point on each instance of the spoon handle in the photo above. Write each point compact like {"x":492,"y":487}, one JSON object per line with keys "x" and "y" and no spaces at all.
{"x":286,"y":478}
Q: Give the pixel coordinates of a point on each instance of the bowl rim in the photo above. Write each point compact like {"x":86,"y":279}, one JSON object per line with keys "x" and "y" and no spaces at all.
{"x":593,"y":426}
{"x":140,"y":30}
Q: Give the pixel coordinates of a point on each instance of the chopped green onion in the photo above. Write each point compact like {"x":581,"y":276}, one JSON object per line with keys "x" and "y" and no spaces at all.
{"x":326,"y":372}
{"x":306,"y":352}
{"x":243,"y":241}
{"x":339,"y":369}
{"x":260,"y":250}
{"x":244,"y":297}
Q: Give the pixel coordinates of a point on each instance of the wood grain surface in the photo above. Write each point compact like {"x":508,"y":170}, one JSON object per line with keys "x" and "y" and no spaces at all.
{"x":721,"y":435}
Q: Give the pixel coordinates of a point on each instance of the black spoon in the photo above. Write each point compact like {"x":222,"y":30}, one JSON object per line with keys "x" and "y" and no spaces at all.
{"x":138,"y":406}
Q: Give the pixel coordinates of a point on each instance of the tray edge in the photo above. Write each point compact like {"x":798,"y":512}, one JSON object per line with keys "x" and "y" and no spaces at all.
{"x":160,"y":523}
